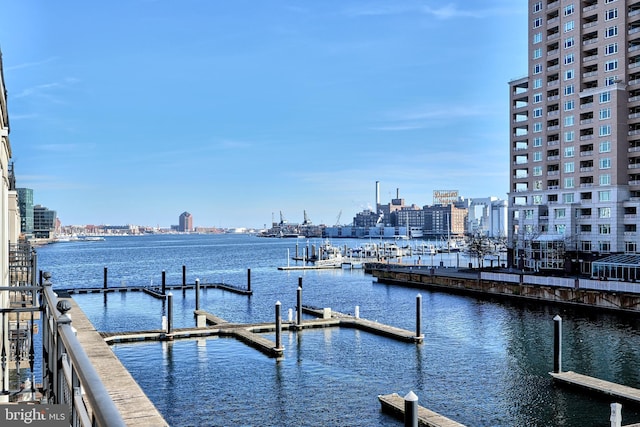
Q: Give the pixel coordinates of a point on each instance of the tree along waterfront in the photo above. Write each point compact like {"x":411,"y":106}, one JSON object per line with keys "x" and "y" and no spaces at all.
{"x":482,"y":363}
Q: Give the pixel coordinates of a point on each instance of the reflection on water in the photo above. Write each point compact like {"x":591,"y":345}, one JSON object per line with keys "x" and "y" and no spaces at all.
{"x":482,"y":363}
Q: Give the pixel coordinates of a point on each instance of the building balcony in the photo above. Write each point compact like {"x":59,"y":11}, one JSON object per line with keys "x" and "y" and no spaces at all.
{"x":553,"y":98}
{"x":634,"y":132}
{"x":590,"y":74}
{"x":553,"y":173}
{"x":634,"y":166}
{"x":634,"y":30}
{"x":553,"y":143}
{"x":630,"y":233}
{"x":586,"y":137}
{"x":633,"y":149}
{"x":553,"y":187}
{"x":553,"y":83}
{"x":634,"y":65}
{"x":553,"y":52}
{"x":586,"y":122}
{"x":553,"y":36}
{"x":630,"y":216}
{"x":634,"y":82}
{"x":554,"y":113}
{"x":589,"y":58}
{"x":586,"y":153}
{"x":587,"y":169}
{"x":589,"y":24}
{"x":520,"y":176}
{"x":553,"y":68}
{"x":586,"y":185}
{"x":552,"y":128}
{"x":553,"y":21}
{"x":553,"y":157}
{"x":590,"y":104}
{"x":590,"y":41}
{"x":553,"y":5}
{"x":589,"y":8}
{"x":634,"y":115}
{"x":634,"y":182}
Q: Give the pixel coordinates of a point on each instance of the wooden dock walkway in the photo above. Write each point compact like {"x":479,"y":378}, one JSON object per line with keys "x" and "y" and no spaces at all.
{"x":348,"y":321}
{"x":131,"y":401}
{"x":601,"y":386}
{"x":394,"y":404}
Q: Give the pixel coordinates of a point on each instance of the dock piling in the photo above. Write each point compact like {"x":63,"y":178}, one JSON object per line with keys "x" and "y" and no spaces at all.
{"x":411,"y":410}
{"x":105,"y":278}
{"x":290,"y":318}
{"x":169,"y":312}
{"x":616,"y":415}
{"x":184,"y":280}
{"x":357,"y":312}
{"x":299,"y":311}
{"x":164,"y":283}
{"x":197,"y":294}
{"x":249,"y":279}
{"x":418,"y":316}
{"x":557,"y":344}
{"x":278,"y":327}
{"x":300,"y":281}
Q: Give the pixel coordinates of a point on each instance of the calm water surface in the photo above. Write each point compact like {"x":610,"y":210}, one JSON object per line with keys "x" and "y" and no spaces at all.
{"x":482,"y":363}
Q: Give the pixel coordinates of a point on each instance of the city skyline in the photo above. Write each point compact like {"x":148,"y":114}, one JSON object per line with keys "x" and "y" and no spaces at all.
{"x":133,"y":113}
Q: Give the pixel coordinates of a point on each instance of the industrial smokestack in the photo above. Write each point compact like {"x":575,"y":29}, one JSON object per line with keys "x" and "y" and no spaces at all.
{"x":377,"y":195}
{"x":397,"y":193}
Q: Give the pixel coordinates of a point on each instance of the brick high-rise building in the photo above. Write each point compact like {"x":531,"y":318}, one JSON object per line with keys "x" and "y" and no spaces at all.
{"x":185,"y":223}
{"x":575,"y":136}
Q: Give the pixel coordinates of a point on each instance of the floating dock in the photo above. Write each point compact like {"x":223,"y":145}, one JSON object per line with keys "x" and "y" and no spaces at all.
{"x":601,"y":386}
{"x":156,"y":291}
{"x":394,"y":404}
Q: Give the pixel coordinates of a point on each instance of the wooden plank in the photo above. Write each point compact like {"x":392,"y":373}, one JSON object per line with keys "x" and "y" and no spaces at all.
{"x":598,"y":385}
{"x":394,"y":404}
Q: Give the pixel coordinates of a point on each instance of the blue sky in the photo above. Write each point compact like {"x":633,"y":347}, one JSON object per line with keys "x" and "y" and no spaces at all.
{"x":132,"y":112}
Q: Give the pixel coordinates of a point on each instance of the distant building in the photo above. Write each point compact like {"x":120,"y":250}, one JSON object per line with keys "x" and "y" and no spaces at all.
{"x":25,"y":203}
{"x":44,"y":222}
{"x":488,"y":216}
{"x":185,"y":223}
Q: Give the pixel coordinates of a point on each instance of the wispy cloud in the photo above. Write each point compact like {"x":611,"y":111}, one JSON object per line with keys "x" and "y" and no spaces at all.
{"x":447,"y":11}
{"x":31,"y":64}
{"x":64,"y":148}
{"x":47,"y":90}
{"x":427,"y":116}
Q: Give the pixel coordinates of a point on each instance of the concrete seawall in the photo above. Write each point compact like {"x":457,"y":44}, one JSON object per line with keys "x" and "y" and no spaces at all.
{"x":471,"y":284}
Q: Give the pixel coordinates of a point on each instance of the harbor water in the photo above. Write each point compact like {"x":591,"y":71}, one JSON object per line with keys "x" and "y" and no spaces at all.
{"x":482,"y":362}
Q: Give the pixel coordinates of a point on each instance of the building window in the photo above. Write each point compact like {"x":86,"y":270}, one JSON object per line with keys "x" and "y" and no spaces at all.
{"x":528,"y":214}
{"x":611,"y":14}
{"x":537,"y":53}
{"x":537,"y":185}
{"x":537,"y":38}
{"x":611,"y":80}
{"x":605,"y":179}
{"x":604,"y":212}
{"x":604,"y":229}
{"x":537,"y":69}
{"x":568,"y":26}
{"x":604,"y":196}
{"x":568,"y":121}
{"x":567,"y":198}
{"x":569,"y":59}
{"x":569,"y":151}
{"x":537,"y":97}
{"x":537,"y":83}
{"x":560,"y":228}
{"x":605,"y":113}
{"x":611,"y":49}
{"x":605,"y":146}
{"x":611,"y":65}
{"x":537,"y":127}
{"x":537,"y":7}
{"x":569,"y":105}
{"x":568,"y":10}
{"x":569,"y":74}
{"x":537,"y":171}
{"x":537,"y":142}
{"x":605,"y":163}
{"x":569,"y":42}
{"x":537,"y":23}
{"x":569,"y":136}
{"x":630,"y":247}
{"x":605,"y":97}
{"x":537,"y":199}
{"x":569,"y":167}
{"x":611,"y":31}
{"x":605,"y":130}
{"x":559,"y":213}
{"x":604,"y":246}
{"x":537,"y":156}
{"x":537,"y":112}
{"x":569,"y":182}
{"x":569,"y":90}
